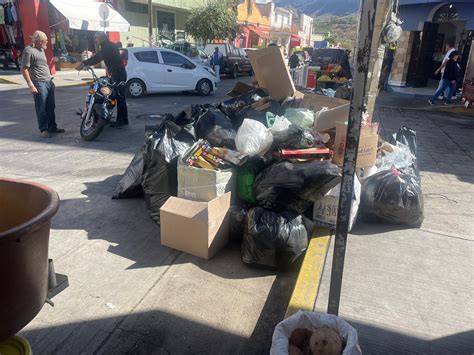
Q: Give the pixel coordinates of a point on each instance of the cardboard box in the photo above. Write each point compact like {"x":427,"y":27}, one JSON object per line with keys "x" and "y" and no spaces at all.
{"x":367,"y":153}
{"x":325,"y":208}
{"x":197,"y":228}
{"x":338,"y":110}
{"x":240,"y":88}
{"x":204,"y":184}
{"x":271,"y":72}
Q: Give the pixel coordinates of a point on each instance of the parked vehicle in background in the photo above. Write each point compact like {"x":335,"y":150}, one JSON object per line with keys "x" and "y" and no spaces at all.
{"x":234,"y":60}
{"x":190,"y":50}
{"x":154,"y":70}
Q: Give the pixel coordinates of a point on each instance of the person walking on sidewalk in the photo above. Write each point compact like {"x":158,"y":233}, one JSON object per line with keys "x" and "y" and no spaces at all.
{"x":110,"y":54}
{"x":35,"y":71}
{"x":450,"y":76}
{"x":216,"y":60}
{"x":449,"y":50}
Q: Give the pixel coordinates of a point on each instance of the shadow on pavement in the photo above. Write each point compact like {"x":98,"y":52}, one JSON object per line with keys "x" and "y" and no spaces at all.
{"x":159,"y":332}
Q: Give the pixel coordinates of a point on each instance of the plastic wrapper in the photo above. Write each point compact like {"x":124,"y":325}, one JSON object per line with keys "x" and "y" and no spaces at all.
{"x":216,"y":127}
{"x":406,"y":137}
{"x":294,"y":137}
{"x":313,"y":321}
{"x":253,"y":138}
{"x":302,"y":117}
{"x":273,"y":240}
{"x":285,"y":185}
{"x":232,"y":106}
{"x":130,"y":185}
{"x":160,"y":154}
{"x":393,"y":196}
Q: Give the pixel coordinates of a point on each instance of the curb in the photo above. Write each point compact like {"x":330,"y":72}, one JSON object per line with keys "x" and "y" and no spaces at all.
{"x":310,"y":274}
{"x":4,"y":80}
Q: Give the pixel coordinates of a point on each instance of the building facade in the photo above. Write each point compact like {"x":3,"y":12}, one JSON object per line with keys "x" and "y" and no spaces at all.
{"x":427,"y":26}
{"x":254,"y":25}
{"x":304,"y":25}
{"x":168,"y":16}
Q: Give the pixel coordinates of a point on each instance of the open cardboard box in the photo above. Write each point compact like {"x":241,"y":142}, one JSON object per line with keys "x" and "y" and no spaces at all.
{"x":274,"y":77}
{"x":197,"y":228}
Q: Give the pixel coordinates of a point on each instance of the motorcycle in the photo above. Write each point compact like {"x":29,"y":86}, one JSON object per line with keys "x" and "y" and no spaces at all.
{"x":100,"y":102}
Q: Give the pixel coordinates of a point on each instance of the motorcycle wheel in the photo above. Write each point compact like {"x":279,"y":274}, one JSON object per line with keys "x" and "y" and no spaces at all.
{"x":93,"y":128}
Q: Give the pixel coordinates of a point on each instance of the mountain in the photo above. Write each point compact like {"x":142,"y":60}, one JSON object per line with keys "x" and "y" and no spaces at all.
{"x":322,"y":7}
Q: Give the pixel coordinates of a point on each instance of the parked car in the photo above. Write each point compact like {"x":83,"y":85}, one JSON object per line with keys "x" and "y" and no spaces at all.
{"x":153,"y":70}
{"x":234,"y":61}
{"x":190,"y":50}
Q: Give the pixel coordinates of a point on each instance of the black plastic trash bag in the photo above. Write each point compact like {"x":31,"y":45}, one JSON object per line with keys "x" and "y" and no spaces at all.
{"x":160,"y":154}
{"x":130,"y":185}
{"x":406,"y":136}
{"x":294,"y":137}
{"x":393,"y":196}
{"x":273,"y":240}
{"x":237,"y":222}
{"x":285,"y":185}
{"x":215,"y":127}
{"x":237,"y":103}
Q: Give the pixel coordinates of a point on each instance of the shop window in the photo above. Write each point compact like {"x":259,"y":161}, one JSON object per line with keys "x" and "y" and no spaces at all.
{"x":135,"y":7}
{"x":446,"y":13}
{"x":176,"y":60}
{"x":147,"y":56}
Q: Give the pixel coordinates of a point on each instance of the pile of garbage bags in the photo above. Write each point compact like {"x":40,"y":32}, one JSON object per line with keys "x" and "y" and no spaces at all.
{"x":279,"y":170}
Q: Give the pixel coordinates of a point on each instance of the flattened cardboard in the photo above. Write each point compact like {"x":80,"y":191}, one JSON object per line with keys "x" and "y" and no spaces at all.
{"x":367,"y":153}
{"x":197,"y":228}
{"x":271,"y":72}
{"x":338,"y":110}
{"x":240,"y":88}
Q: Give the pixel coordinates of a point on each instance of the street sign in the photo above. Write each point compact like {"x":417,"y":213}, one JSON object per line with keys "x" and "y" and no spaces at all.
{"x":104,"y":11}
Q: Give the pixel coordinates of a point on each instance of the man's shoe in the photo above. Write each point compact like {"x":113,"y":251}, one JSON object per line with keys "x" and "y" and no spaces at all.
{"x":45,"y":134}
{"x":119,"y":123}
{"x":431,"y":102}
{"x":57,"y":130}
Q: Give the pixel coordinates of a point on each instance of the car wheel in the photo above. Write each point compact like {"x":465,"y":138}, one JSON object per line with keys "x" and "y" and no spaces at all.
{"x":204,"y":87}
{"x":136,"y":88}
{"x":235,"y":72}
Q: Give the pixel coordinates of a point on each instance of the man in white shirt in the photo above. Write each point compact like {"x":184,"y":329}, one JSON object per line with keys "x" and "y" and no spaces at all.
{"x":449,"y":49}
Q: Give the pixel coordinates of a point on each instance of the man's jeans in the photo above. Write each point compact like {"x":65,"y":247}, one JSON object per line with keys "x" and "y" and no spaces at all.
{"x":217,"y":69}
{"x":446,"y":85}
{"x":122,"y":111}
{"x":446,"y":91}
{"x":45,"y":105}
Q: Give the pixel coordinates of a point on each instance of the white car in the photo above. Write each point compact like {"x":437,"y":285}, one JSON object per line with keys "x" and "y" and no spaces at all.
{"x":154,"y":70}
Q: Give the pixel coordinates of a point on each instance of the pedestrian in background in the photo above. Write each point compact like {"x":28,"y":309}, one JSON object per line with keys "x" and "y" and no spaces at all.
{"x":216,"y":60}
{"x":449,"y":78}
{"x":35,"y":71}
{"x":449,"y":50}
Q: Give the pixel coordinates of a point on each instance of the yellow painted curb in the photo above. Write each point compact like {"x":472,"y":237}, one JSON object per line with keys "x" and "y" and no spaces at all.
{"x":4,"y":80}
{"x":309,"y":277}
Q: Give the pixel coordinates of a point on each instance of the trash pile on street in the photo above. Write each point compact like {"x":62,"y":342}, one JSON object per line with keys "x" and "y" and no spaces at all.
{"x":264,"y":167}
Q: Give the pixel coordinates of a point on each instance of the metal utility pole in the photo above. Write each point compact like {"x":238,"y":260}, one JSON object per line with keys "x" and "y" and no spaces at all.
{"x":372,"y":16}
{"x":150,"y":23}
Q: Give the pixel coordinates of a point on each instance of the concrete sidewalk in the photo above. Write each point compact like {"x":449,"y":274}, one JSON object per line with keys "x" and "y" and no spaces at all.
{"x":411,"y":291}
{"x":13,"y":80}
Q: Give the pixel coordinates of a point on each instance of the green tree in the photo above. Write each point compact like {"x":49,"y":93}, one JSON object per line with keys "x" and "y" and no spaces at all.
{"x":213,"y":21}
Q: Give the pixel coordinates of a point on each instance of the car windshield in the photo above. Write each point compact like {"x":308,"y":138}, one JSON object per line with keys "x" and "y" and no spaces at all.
{"x":209,"y":49}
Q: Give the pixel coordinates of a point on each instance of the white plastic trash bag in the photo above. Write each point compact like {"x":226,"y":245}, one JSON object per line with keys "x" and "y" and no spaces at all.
{"x":253,"y":138}
{"x":313,"y":321}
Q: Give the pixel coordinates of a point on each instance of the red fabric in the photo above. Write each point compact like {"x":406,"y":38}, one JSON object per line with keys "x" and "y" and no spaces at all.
{"x":295,"y":41}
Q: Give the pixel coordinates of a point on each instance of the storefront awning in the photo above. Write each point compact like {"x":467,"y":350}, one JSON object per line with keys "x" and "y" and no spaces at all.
{"x":260,"y":33}
{"x":86,"y":15}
